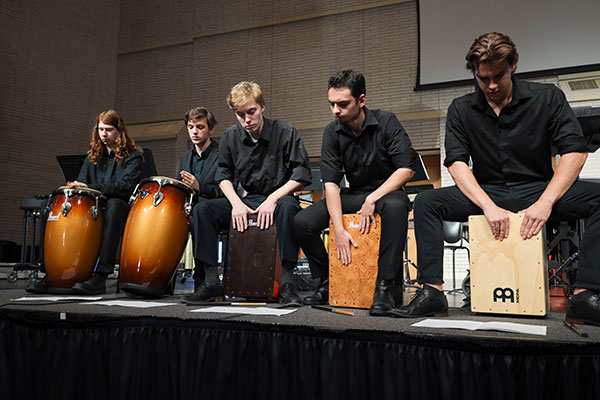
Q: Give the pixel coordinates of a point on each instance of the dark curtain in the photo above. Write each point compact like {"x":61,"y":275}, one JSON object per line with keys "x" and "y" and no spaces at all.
{"x":145,"y":358}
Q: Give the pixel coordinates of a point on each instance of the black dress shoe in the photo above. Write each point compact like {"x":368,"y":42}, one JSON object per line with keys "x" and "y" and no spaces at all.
{"x":584,"y":308}
{"x":197,"y":283}
{"x":429,"y":302}
{"x":288,"y":295}
{"x":198,"y":276}
{"x":208,"y":291}
{"x":39,"y":286}
{"x":320,"y":296}
{"x":95,"y":285}
{"x":383,"y":299}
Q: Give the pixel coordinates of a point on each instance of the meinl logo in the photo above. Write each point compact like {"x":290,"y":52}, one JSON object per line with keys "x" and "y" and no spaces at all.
{"x":505,"y":294}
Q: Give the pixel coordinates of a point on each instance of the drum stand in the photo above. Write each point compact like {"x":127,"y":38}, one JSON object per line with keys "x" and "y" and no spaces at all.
{"x":408,"y":282}
{"x":565,"y":239}
{"x":31,"y":208}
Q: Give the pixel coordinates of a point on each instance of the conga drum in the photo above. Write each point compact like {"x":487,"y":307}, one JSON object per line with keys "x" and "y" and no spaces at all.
{"x":155,"y":235}
{"x":73,"y":236}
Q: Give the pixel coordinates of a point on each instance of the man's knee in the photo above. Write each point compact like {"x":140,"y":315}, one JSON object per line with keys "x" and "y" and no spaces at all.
{"x":394,"y":208}
{"x":287,"y":205}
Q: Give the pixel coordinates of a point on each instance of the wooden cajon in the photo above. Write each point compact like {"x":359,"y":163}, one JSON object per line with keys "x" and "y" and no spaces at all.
{"x":508,"y":276}
{"x":353,"y":285}
{"x":253,"y":267}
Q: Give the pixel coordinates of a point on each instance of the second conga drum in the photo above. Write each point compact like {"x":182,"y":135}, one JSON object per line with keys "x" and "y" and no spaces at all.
{"x":73,"y":236}
{"x":155,"y":235}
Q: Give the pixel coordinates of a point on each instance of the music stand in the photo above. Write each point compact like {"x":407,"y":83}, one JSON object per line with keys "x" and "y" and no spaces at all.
{"x":71,"y":165}
{"x":149,"y":168}
{"x":421,"y":172}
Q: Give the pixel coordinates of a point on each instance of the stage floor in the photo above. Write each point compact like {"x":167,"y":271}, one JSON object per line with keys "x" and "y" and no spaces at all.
{"x":115,"y":352}
{"x":305,"y":317}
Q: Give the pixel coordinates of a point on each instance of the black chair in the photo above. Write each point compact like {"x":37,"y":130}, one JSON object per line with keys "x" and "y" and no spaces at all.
{"x":455,"y":235}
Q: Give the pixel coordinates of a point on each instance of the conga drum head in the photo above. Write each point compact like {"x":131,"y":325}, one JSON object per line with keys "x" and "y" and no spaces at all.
{"x":155,"y":235}
{"x":80,"y":190}
{"x":73,"y":236}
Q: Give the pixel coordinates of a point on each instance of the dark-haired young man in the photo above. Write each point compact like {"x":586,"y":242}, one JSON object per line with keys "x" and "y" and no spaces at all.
{"x":506,"y":127}
{"x":374,"y":152}
{"x":197,"y":168}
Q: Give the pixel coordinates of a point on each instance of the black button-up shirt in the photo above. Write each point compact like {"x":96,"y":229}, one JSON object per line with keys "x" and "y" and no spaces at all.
{"x":514,"y":147}
{"x":264,"y":166}
{"x":111,"y":178}
{"x":370,"y":158}
{"x":198,"y":160}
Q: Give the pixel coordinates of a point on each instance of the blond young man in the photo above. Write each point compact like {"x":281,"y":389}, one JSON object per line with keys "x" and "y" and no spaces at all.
{"x":268,"y":160}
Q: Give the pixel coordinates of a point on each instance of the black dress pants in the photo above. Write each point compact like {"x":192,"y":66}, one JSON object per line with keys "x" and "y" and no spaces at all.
{"x":393,"y":209}
{"x":115,"y":217}
{"x":581,"y":201}
{"x":213,"y":215}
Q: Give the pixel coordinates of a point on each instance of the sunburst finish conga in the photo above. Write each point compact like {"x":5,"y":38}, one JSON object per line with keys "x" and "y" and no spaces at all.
{"x":73,"y":236}
{"x":155,"y":235}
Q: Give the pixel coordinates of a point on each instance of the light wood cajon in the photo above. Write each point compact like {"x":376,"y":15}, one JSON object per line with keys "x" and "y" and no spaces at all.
{"x":353,"y":285}
{"x":508,"y":276}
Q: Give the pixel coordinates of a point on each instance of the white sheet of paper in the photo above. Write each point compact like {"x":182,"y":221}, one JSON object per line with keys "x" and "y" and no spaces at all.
{"x":245,"y":310}
{"x":132,"y":303}
{"x":57,"y":298}
{"x":478,"y":325}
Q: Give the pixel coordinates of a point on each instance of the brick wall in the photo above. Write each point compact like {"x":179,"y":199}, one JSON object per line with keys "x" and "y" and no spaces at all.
{"x":58,"y":71}
{"x":153,"y":60}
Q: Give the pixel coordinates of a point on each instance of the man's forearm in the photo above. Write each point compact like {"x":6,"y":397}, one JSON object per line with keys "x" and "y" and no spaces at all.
{"x":394,"y":182}
{"x":288,"y":188}
{"x":468,"y":185}
{"x":334,"y":204}
{"x":567,"y":171}
{"x":229,"y":192}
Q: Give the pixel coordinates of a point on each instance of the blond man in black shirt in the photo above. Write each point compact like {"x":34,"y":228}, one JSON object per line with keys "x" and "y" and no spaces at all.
{"x":268,"y":159}
{"x":506,"y":127}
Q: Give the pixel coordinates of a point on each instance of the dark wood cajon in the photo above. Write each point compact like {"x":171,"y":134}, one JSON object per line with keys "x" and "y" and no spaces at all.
{"x":508,"y":276}
{"x":353,"y":285}
{"x":253,"y":267}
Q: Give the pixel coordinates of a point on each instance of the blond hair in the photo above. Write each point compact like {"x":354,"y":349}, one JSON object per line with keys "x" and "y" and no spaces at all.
{"x":243,"y":92}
